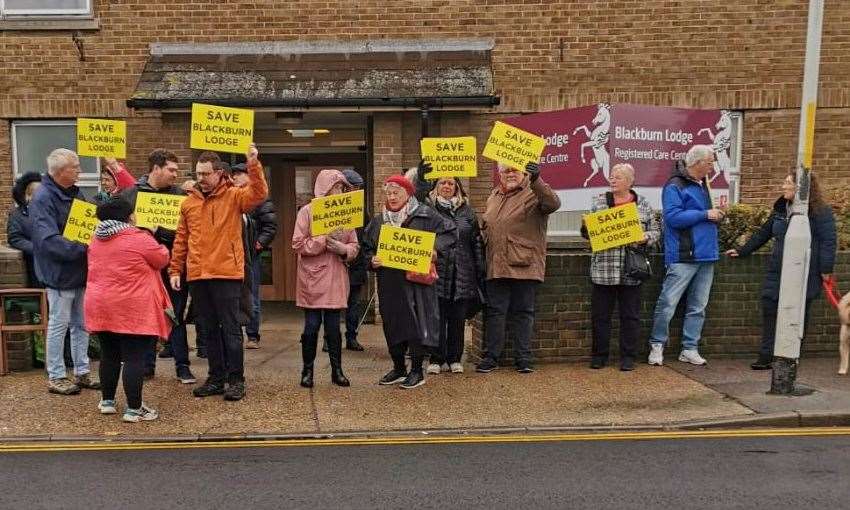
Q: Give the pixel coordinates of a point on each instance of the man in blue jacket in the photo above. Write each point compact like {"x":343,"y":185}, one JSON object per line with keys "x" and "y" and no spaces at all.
{"x":690,"y":251}
{"x":61,"y":265}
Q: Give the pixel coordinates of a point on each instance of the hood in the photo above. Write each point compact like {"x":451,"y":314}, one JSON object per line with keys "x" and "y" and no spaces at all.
{"x":19,"y":191}
{"x":110,"y":228}
{"x":326,"y":180}
{"x":680,"y":170}
{"x":123,"y":178}
{"x":353,"y":178}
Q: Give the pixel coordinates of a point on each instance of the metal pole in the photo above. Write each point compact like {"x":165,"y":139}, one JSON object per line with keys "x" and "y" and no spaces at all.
{"x":791,"y":313}
{"x":424,"y":125}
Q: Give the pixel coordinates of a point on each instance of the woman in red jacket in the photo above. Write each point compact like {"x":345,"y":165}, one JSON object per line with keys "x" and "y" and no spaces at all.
{"x":125,"y":303}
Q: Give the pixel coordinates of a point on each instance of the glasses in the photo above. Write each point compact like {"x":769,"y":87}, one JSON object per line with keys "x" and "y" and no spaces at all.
{"x":202,"y":175}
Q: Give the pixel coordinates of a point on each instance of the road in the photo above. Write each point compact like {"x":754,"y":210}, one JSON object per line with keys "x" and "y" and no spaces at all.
{"x":558,"y":472}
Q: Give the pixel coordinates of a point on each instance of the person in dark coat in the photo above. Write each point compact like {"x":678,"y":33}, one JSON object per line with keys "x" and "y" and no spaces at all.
{"x":261,"y":230}
{"x":409,"y":310}
{"x":822,"y":261}
{"x":356,"y":274}
{"x":461,"y":273}
{"x":19,"y":225}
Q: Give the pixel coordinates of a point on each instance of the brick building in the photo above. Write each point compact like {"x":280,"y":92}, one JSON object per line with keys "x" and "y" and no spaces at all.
{"x":344,"y":84}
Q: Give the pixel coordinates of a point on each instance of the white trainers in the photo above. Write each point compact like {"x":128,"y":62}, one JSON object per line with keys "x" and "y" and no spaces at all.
{"x":656,"y":355}
{"x":456,"y":368}
{"x":107,"y":407}
{"x":433,"y":368}
{"x":143,"y":413}
{"x":692,"y":356}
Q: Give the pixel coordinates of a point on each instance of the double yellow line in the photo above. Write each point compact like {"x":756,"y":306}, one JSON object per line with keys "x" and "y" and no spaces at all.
{"x":427,"y":439}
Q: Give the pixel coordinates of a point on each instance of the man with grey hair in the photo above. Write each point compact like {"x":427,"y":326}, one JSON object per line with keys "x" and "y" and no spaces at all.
{"x":61,"y":264}
{"x":690,"y":251}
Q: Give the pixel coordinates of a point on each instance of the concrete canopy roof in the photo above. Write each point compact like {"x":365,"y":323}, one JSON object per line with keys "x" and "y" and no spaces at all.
{"x":380,"y":73}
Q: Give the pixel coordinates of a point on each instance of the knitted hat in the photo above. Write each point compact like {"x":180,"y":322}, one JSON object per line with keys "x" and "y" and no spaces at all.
{"x":353,"y":178}
{"x":400,"y":180}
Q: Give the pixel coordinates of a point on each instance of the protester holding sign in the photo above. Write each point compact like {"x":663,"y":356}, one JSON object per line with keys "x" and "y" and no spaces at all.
{"x":61,"y":266}
{"x":322,"y":281}
{"x":821,"y":261}
{"x":690,"y":251}
{"x":356,"y":274}
{"x":409,"y":309}
{"x":114,"y":178}
{"x":462,"y":273}
{"x":514,"y":228}
{"x":611,"y":283}
{"x":208,"y":249}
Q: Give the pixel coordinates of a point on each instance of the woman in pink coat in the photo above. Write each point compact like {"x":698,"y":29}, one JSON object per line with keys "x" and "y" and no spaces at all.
{"x":322,"y":283}
{"x":125,"y":303}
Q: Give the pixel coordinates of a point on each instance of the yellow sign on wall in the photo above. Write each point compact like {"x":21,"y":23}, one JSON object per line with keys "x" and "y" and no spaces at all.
{"x":450,"y":157}
{"x":513,"y":146}
{"x":81,"y":223}
{"x":405,"y":248}
{"x":102,"y":138}
{"x":614,"y":227}
{"x":158,"y":210}
{"x":219,"y":128}
{"x":344,"y":211}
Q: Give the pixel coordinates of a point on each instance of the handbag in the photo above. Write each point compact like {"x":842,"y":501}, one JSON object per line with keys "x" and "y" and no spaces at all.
{"x":423,"y":278}
{"x":636,"y":264}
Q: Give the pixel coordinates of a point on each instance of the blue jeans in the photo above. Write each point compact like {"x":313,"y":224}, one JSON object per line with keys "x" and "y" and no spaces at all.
{"x":694,"y":278}
{"x":252,"y":330}
{"x":313,"y":319}
{"x":66,"y":310}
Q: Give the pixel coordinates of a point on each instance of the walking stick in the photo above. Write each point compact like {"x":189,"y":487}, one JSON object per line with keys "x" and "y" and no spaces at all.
{"x":365,"y":312}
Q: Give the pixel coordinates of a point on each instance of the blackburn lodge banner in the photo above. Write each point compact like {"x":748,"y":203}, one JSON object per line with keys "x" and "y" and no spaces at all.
{"x":583,"y":144}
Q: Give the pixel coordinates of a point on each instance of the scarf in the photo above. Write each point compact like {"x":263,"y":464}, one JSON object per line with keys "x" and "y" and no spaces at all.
{"x":452,"y":204}
{"x":397,"y":218}
{"x":108,"y":228}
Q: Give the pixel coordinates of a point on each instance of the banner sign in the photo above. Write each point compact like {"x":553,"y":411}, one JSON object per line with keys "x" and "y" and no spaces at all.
{"x":81,"y":223}
{"x":219,"y":128}
{"x":158,"y":210}
{"x":613,"y":227}
{"x":405,"y":248}
{"x":102,"y":138}
{"x":583,"y":144}
{"x":450,"y":157}
{"x":512,"y":146}
{"x":344,"y":211}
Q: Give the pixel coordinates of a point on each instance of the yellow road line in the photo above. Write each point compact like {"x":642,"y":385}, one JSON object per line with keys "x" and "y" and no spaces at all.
{"x":424,"y":439}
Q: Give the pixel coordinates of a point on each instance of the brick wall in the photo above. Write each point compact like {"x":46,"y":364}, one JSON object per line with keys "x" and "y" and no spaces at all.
{"x":733,"y":318}
{"x":13,"y":276}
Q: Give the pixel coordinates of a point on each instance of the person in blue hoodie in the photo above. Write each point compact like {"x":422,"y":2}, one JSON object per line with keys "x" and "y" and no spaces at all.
{"x":690,"y":252}
{"x":61,"y":265}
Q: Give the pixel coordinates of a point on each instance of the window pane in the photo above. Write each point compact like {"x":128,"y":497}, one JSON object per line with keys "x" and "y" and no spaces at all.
{"x":33,"y":142}
{"x":46,"y":6}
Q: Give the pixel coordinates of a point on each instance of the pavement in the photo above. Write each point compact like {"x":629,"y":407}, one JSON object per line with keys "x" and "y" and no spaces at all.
{"x":555,"y":397}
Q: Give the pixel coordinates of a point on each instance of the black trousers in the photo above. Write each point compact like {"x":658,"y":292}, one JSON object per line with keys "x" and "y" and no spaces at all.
{"x":216,"y":312}
{"x":452,"y":322}
{"x":116,"y":348}
{"x":417,"y":356}
{"x":769,"y":308}
{"x":602,"y":301}
{"x":507,"y":296}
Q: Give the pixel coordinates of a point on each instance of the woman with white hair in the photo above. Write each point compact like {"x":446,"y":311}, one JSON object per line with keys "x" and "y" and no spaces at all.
{"x":611,"y":284}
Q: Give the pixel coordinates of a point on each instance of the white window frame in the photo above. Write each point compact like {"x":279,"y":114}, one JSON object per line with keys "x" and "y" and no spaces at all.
{"x":37,"y":13}
{"x":87,"y":179}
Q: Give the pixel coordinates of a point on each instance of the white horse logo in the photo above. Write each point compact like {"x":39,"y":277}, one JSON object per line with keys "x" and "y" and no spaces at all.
{"x":597,"y":139}
{"x":721,"y":142}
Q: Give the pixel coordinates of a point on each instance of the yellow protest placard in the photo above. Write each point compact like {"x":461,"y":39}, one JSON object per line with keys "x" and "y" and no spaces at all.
{"x":614,"y":227}
{"x":158,"y":210}
{"x":102,"y":138}
{"x":81,"y":223}
{"x":343,"y":211}
{"x":405,"y":248}
{"x":219,"y":128}
{"x":450,"y":157}
{"x":513,"y":146}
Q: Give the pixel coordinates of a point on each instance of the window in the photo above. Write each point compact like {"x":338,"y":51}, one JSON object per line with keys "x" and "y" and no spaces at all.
{"x":565,"y":224}
{"x":32,"y":141}
{"x":45,"y":8}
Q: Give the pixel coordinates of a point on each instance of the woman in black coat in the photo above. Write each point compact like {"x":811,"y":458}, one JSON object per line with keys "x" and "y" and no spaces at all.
{"x":408,"y":309}
{"x":462,"y":271}
{"x":821,"y":263}
{"x":19,"y":225}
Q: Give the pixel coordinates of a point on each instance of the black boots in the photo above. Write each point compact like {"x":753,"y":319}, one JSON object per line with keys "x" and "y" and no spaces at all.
{"x":762,"y":363}
{"x":308,"y":355}
{"x":335,"y":355}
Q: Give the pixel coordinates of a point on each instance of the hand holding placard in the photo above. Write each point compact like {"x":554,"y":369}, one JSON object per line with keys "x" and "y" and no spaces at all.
{"x":450,"y":157}
{"x":614,"y":227}
{"x":513,"y":146}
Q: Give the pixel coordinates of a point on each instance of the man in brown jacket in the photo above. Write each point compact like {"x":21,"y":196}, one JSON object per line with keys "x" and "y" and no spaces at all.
{"x":208,"y":245}
{"x":514,"y":229}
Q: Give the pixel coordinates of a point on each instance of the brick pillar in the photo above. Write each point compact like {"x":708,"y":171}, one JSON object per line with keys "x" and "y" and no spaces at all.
{"x":6,"y":175}
{"x":13,"y":275}
{"x":386,"y":150}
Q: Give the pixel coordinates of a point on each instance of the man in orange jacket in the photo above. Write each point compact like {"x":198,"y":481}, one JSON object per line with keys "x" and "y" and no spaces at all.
{"x":209,"y":245}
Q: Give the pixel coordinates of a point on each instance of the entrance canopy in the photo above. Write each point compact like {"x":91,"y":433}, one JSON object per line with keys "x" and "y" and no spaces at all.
{"x":369,"y":75}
